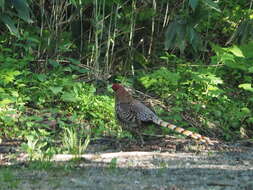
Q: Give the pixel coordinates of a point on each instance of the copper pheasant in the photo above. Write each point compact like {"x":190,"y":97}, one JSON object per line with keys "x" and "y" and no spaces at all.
{"x":132,"y":113}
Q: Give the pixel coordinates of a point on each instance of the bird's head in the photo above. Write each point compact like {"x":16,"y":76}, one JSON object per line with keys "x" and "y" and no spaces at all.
{"x":116,"y":86}
{"x":121,"y":93}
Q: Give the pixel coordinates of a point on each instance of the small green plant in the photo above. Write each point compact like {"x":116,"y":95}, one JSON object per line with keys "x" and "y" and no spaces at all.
{"x":31,"y":147}
{"x":73,"y":143}
{"x":37,"y":149}
{"x":113,"y":164}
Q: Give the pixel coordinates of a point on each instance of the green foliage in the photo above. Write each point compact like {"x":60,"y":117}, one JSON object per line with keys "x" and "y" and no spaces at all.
{"x":38,"y":106}
{"x":73,"y":142}
{"x":207,"y":91}
{"x":162,"y":81}
{"x":38,"y":146}
{"x":113,"y":164}
{"x":6,"y":14}
{"x":237,"y":61}
{"x":182,"y":31}
{"x":77,"y":98}
{"x":44,"y":101}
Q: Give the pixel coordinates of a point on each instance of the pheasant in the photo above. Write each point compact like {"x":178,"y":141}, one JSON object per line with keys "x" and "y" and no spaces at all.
{"x":131,"y":114}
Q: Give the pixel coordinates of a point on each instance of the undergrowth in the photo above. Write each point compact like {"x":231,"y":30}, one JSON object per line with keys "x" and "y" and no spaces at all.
{"x":52,"y":111}
{"x":54,"y":108}
{"x":55,"y":54}
{"x":219,"y":96}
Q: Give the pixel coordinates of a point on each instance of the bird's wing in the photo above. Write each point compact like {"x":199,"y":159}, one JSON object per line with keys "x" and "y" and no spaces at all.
{"x":143,"y":113}
{"x":124,"y":113}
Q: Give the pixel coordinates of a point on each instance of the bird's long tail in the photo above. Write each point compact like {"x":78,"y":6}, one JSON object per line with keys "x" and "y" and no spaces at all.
{"x":180,"y":130}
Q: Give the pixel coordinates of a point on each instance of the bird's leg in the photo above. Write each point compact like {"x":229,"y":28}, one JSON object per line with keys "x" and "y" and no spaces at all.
{"x":141,"y":138}
{"x":139,"y":133}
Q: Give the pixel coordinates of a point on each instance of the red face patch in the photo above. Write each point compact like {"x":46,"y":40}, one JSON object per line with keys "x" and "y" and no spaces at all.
{"x":116,"y":86}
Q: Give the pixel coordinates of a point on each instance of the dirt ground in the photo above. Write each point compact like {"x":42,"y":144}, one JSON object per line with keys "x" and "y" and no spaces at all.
{"x":161,"y":164}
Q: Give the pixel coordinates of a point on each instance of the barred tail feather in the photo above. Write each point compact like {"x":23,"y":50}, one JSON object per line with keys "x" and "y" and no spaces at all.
{"x":183,"y":131}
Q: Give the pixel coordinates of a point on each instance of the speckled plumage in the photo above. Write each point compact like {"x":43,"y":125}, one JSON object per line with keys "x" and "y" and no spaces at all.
{"x":131,"y":113}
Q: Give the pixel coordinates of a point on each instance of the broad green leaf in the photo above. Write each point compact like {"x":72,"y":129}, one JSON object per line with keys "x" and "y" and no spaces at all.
{"x":246,"y":86}
{"x":9,"y":76}
{"x":22,"y":8}
{"x":236,"y":51}
{"x":79,"y":69}
{"x":170,"y":35}
{"x":75,"y":61}
{"x":250,"y":120}
{"x":53,"y":63}
{"x":218,"y":50}
{"x":69,"y":97}
{"x":32,"y":39}
{"x":214,"y":79}
{"x":227,"y":58}
{"x":56,"y":89}
{"x":73,"y":2}
{"x":2,"y":2}
{"x":235,"y":65}
{"x":10,"y":25}
{"x":246,"y":110}
{"x":15,"y":94}
{"x":68,"y":69}
{"x":212,"y":5}
{"x":247,"y":49}
{"x":41,"y":77}
{"x":2,"y":89}
{"x":5,"y":101}
{"x":250,"y":69}
{"x":193,"y":3}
